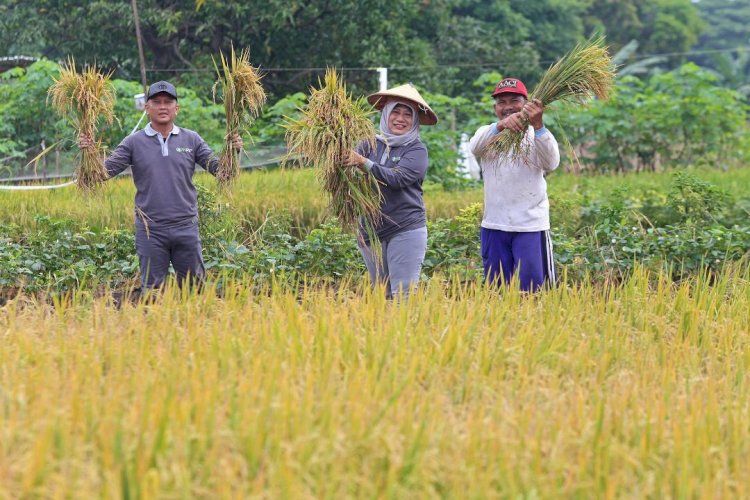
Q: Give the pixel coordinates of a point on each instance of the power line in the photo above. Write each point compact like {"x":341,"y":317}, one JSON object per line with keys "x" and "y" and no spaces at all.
{"x":441,"y":65}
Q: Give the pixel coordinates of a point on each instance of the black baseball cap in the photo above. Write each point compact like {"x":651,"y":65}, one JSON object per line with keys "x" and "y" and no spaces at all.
{"x":161,"y":87}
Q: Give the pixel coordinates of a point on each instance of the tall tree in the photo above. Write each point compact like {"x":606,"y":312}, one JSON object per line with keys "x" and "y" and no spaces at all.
{"x":659,"y":26}
{"x":725,"y":41}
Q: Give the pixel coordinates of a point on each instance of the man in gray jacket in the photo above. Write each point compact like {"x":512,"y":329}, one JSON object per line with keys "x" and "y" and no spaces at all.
{"x":162,"y":157}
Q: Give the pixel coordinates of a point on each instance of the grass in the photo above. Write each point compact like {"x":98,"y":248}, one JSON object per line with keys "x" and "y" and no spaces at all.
{"x":296,"y":192}
{"x":243,"y":97}
{"x":631,"y":390}
{"x":583,"y":73}
{"x":256,"y":196}
{"x":85,"y":98}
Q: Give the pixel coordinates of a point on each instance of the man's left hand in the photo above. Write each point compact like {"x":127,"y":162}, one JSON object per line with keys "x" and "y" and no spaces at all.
{"x":534,"y":111}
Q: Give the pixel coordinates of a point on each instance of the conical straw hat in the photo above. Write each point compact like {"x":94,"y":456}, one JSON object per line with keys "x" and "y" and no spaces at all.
{"x":408,"y":93}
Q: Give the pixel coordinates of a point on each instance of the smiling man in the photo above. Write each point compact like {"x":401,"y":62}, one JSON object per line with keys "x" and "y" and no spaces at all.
{"x":162,"y":158}
{"x":515,"y":228}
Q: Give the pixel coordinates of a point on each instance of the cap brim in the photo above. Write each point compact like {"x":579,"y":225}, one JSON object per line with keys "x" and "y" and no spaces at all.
{"x":161,"y":92}
{"x":509,"y":91}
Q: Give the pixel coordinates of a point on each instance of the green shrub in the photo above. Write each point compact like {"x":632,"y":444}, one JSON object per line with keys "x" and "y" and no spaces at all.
{"x":678,"y":118}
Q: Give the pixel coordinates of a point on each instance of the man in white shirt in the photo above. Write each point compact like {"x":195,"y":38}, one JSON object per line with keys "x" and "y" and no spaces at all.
{"x":515,"y":228}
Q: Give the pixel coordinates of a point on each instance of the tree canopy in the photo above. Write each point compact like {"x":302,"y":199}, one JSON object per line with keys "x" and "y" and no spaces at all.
{"x":443,"y":44}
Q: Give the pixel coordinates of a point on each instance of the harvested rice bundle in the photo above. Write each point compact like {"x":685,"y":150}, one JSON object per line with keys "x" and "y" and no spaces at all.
{"x":243,"y":98}
{"x":84,"y":98}
{"x":585,"y":71}
{"x":332,"y":124}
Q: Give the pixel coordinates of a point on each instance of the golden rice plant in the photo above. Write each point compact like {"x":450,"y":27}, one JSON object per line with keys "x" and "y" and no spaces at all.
{"x":634,"y":389}
{"x":585,"y":71}
{"x":332,"y":124}
{"x":84,"y":98}
{"x":243,"y":97}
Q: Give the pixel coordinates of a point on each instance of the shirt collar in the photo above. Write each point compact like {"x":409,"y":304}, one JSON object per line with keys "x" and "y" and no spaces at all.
{"x":151,"y":132}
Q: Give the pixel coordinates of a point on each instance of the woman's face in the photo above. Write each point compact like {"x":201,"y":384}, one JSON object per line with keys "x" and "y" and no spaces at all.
{"x":400,"y":120}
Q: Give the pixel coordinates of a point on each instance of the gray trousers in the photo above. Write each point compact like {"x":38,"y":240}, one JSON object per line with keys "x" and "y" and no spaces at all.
{"x":180,"y":245}
{"x":399,"y":269}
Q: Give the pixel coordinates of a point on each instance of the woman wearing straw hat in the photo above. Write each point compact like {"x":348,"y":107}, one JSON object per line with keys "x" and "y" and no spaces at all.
{"x":399,"y":162}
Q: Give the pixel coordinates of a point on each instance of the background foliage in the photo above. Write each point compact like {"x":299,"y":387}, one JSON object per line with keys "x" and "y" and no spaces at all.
{"x":443,"y":45}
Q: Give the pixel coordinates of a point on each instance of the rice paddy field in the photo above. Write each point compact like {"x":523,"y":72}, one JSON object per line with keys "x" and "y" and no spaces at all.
{"x":253,"y":198}
{"x":630,"y":388}
{"x":297,"y":193}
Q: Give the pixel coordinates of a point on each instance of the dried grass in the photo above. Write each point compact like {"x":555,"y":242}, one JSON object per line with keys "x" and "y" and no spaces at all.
{"x":243,"y":97}
{"x":85,"y":98}
{"x":332,"y":124}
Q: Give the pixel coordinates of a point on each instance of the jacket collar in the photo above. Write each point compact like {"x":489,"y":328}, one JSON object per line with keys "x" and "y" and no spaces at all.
{"x":151,"y":132}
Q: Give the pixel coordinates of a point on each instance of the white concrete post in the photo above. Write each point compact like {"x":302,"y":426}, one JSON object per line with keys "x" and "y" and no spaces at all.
{"x":383,"y":73}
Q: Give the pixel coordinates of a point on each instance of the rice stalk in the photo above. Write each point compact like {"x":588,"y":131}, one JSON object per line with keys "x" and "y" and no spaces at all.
{"x":144,"y":218}
{"x":633,"y":389}
{"x":84,"y":98}
{"x":243,"y":97}
{"x":585,"y":71}
{"x":332,"y":124}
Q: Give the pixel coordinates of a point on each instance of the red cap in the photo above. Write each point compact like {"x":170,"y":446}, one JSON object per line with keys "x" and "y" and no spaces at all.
{"x":511,"y":86}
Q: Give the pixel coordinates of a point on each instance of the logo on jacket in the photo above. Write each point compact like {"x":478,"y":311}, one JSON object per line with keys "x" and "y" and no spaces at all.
{"x":184,"y":150}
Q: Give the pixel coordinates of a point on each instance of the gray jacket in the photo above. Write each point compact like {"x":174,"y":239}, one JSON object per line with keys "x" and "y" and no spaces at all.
{"x":163,"y":172}
{"x":401,"y":177}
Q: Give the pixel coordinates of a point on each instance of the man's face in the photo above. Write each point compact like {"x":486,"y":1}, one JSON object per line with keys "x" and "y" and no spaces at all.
{"x":162,"y":109}
{"x":508,"y":103}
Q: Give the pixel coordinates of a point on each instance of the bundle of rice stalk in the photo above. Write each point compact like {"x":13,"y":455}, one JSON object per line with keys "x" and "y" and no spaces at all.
{"x":331,"y":125}
{"x":585,"y":71}
{"x":84,"y":98}
{"x":243,"y":98}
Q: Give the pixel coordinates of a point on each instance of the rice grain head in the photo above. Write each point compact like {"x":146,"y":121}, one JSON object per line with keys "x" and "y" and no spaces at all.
{"x":331,"y":125}
{"x":238,"y":86}
{"x":586,"y":71}
{"x":85,"y":98}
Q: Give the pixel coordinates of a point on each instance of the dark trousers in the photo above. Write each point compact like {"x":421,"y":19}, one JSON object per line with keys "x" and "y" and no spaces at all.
{"x":528,"y":254}
{"x":157,"y":247}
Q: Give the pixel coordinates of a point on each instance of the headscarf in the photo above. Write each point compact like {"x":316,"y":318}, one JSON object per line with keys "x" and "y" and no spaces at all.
{"x":392,"y":140}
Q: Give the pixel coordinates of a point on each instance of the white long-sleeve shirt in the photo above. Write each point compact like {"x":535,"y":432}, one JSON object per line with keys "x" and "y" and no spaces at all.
{"x":515,"y":192}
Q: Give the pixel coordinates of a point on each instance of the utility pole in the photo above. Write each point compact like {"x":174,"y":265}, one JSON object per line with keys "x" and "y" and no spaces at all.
{"x":137,"y":20}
